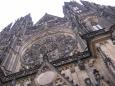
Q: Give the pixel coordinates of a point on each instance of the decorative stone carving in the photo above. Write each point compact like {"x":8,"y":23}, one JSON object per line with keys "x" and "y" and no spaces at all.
{"x":55,"y":46}
{"x":91,"y":20}
{"x":51,"y":45}
{"x":46,"y":78}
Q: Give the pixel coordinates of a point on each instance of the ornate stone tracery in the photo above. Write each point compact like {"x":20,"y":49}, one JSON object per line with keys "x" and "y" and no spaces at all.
{"x":63,"y":48}
{"x":56,"y":45}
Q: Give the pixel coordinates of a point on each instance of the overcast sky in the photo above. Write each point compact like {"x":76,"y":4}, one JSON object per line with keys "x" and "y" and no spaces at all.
{"x":13,"y":9}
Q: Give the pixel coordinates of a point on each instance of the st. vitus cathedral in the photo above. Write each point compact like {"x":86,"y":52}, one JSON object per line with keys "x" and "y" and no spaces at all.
{"x":76,"y":50}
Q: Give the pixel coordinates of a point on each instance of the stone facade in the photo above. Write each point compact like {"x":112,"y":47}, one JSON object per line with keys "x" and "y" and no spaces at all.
{"x":76,"y":50}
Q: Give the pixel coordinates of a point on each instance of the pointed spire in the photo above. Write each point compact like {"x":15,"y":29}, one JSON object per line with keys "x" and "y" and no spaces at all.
{"x":8,"y":27}
{"x":46,"y":18}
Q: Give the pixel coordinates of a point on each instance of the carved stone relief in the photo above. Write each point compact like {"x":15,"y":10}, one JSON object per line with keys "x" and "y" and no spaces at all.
{"x":55,"y":46}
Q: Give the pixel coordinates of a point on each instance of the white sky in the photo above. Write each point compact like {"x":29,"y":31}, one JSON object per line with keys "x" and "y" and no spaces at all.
{"x":13,"y":9}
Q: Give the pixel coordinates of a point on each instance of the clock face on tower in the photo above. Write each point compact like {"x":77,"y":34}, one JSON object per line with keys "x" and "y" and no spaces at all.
{"x":56,"y":45}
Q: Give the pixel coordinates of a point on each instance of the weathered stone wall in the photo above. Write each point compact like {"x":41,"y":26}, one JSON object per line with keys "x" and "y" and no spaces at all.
{"x":54,"y":50}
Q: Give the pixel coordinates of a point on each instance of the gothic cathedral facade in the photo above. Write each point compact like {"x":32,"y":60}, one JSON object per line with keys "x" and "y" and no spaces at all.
{"x":75,"y":50}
